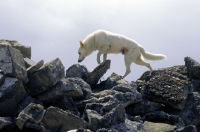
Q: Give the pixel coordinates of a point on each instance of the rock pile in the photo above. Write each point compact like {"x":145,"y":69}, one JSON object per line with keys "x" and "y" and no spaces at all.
{"x":42,"y":97}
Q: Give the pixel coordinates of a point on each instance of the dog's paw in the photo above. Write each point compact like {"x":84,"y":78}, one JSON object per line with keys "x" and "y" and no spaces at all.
{"x":98,"y":61}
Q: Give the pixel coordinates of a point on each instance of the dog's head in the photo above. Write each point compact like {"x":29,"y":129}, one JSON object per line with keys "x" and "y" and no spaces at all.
{"x":82,"y":52}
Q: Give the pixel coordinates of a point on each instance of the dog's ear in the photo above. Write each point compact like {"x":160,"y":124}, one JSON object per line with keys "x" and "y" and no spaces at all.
{"x":81,"y":43}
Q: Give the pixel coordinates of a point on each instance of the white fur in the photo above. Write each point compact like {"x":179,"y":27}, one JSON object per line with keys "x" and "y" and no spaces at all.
{"x":110,"y":43}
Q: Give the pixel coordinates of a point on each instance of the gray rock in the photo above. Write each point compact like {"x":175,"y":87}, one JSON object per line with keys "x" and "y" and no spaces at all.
{"x":26,"y":101}
{"x":25,"y":50}
{"x":193,"y":68}
{"x":190,"y":128}
{"x":2,"y":77}
{"x":12,"y":62}
{"x":34,"y":68}
{"x":158,"y":127}
{"x":11,"y":93}
{"x":31,"y":126}
{"x":72,"y":87}
{"x":93,"y":77}
{"x":28,"y":62}
{"x":167,"y":87}
{"x":46,"y":77}
{"x":143,"y":107}
{"x":5,"y":122}
{"x":94,"y":119}
{"x":77,"y":70}
{"x":106,"y":130}
{"x":80,"y":130}
{"x":32,"y":113}
{"x":56,"y":120}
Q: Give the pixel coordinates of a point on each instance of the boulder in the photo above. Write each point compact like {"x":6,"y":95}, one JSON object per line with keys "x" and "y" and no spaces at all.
{"x":77,"y":70}
{"x":72,"y":87}
{"x":93,"y":77}
{"x":46,"y":77}
{"x":34,"y":127}
{"x":34,"y":68}
{"x":32,"y":113}
{"x":12,"y":62}
{"x":193,"y":68}
{"x":80,"y":130}
{"x":11,"y":93}
{"x":5,"y":122}
{"x":62,"y":121}
{"x":190,"y":128}
{"x":2,"y":77}
{"x":28,"y":62}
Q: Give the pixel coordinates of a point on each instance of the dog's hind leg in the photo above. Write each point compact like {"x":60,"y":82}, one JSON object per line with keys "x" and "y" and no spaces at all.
{"x":128,"y":62}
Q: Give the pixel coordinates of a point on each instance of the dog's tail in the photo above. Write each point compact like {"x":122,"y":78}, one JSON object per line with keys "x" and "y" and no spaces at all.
{"x":150,"y":56}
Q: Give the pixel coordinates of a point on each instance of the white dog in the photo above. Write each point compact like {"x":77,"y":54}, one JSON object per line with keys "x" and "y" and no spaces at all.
{"x":110,"y":43}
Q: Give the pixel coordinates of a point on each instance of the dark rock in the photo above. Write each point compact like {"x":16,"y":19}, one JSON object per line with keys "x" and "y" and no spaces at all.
{"x":77,"y":70}
{"x":2,"y":77}
{"x":80,"y":130}
{"x":26,"y":101}
{"x":11,"y":93}
{"x":72,"y":87}
{"x":195,"y":85}
{"x":35,"y":127}
{"x":46,"y":77}
{"x":190,"y":128}
{"x":193,"y":68}
{"x":28,"y":62}
{"x":158,"y":127}
{"x":143,"y":107}
{"x":32,"y":113}
{"x":106,"y":130}
{"x":12,"y":62}
{"x":93,"y":77}
{"x":5,"y":122}
{"x":34,"y":68}
{"x":56,"y":120}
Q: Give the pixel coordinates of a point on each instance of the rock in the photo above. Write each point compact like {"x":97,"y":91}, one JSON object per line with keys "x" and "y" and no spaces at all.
{"x":94,"y":119}
{"x":35,"y":127}
{"x":143,"y":107}
{"x":158,"y":127}
{"x":32,"y":113}
{"x":93,"y":77}
{"x":12,"y":62}
{"x":80,"y":130}
{"x":28,"y":62}
{"x":72,"y":87}
{"x":11,"y":93}
{"x":25,"y":50}
{"x":62,"y":120}
{"x":77,"y":70}
{"x":5,"y":122}
{"x":2,"y":77}
{"x":106,"y":130}
{"x":46,"y":77}
{"x":34,"y":68}
{"x":26,"y":101}
{"x":193,"y":68}
{"x":190,"y":128}
{"x":167,"y":87}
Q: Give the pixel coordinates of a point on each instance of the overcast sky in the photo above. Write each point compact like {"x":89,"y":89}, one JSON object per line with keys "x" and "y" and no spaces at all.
{"x":53,"y":29}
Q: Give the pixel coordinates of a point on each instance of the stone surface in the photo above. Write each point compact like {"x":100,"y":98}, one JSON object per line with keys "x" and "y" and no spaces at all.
{"x":5,"y":122}
{"x":158,"y":127}
{"x":32,"y":113}
{"x":72,"y":87}
{"x":28,"y":62}
{"x":46,"y":77}
{"x":11,"y":93}
{"x":190,"y":128}
{"x":93,"y":77}
{"x":62,"y":121}
{"x":12,"y":62}
{"x":34,"y":68}
{"x":193,"y":68}
{"x":2,"y":77}
{"x":34,"y":127}
{"x":77,"y":70}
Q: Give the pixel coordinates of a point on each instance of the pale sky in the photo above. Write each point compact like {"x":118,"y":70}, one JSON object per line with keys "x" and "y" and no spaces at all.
{"x":53,"y":29}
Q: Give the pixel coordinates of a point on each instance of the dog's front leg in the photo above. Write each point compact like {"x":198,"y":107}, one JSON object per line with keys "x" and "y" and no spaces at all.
{"x":104,"y":57}
{"x":101,"y":51}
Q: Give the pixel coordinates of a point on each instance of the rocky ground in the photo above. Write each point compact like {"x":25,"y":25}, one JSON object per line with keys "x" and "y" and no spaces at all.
{"x":38,"y":97}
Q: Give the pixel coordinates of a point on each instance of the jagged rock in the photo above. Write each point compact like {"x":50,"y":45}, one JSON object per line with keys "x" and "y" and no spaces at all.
{"x":34,"y":68}
{"x":66,"y":103}
{"x":5,"y":122}
{"x":193,"y":68}
{"x":56,"y":119}
{"x":26,"y":101}
{"x":167,"y":87}
{"x":195,"y":85}
{"x":25,"y":50}
{"x":2,"y":77}
{"x":12,"y":62}
{"x":32,"y":113}
{"x":106,"y":130}
{"x":93,"y":77}
{"x":46,"y":77}
{"x":158,"y":127}
{"x":31,"y":126}
{"x":28,"y":62}
{"x":77,"y":70}
{"x":190,"y":128}
{"x":129,"y":126}
{"x":143,"y":107}
{"x":72,"y":87}
{"x":80,"y":130}
{"x":11,"y":93}
{"x":160,"y":115}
